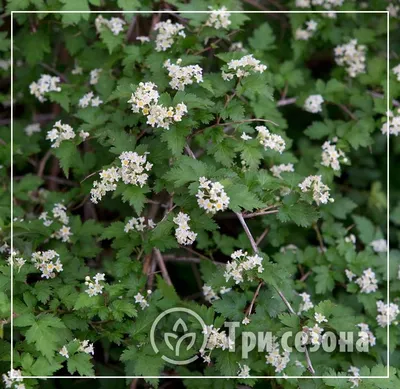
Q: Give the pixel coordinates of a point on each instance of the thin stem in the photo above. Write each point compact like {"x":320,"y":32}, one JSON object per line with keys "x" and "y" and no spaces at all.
{"x":161,"y":265}
{"x":261,"y":213}
{"x":247,"y":231}
{"x":256,"y":293}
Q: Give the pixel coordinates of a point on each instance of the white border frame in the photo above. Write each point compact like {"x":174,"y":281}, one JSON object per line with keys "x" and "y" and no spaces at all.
{"x":194,"y":12}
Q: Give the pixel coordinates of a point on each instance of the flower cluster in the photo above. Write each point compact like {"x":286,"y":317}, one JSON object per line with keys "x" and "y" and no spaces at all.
{"x":387,"y":313}
{"x":139,"y":224}
{"x":332,"y":156}
{"x":312,"y":335}
{"x":277,"y":359}
{"x":167,"y":32}
{"x":94,"y":287}
{"x":13,"y":379}
{"x":215,"y":339}
{"x":32,"y":129}
{"x":183,"y":75}
{"x":396,"y":71}
{"x":393,"y":126}
{"x":184,"y":235}
{"x":63,"y":234}
{"x":367,"y":282}
{"x":320,"y":191}
{"x":350,"y":239}
{"x":211,"y":196}
{"x":244,"y":371}
{"x":94,"y":76}
{"x":134,"y":167}
{"x":115,"y":25}
{"x":77,"y":70}
{"x":89,"y":99}
{"x":84,"y":346}
{"x":356,"y":372}
{"x":393,"y":10}
{"x":15,"y":259}
{"x":306,"y":33}
{"x":143,"y":39}
{"x":241,"y":263}
{"x":269,"y":140}
{"x":132,"y":171}
{"x":314,"y":103}
{"x":276,"y":170}
{"x":366,"y":335}
{"x":48,"y":262}
{"x":352,"y":56}
{"x":306,"y":303}
{"x":141,"y":300}
{"x":243,"y":67}
{"x":210,"y":295}
{"x":145,"y":100}
{"x":45,"y":84}
{"x":59,"y":133}
{"x":379,"y":245}
{"x":219,"y":18}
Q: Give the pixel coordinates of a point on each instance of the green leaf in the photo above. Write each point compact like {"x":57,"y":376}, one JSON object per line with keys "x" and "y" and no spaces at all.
{"x":45,"y":334}
{"x":365,"y":228}
{"x":75,"y":5}
{"x":231,"y":305}
{"x":324,"y":279}
{"x":135,"y":196}
{"x":186,"y":170}
{"x":302,"y":214}
{"x":263,"y":38}
{"x":242,"y":198}
{"x":67,"y":154}
{"x":80,"y":362}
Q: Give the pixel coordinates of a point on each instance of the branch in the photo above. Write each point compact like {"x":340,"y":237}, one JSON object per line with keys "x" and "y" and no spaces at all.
{"x":260,"y":213}
{"x":256,"y":293}
{"x":247,"y":231}
{"x":161,"y":265}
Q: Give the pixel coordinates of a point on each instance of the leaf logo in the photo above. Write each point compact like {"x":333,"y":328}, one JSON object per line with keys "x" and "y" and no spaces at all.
{"x":168,"y":336}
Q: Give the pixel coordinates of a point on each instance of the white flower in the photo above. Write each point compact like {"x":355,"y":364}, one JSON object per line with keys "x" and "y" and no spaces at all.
{"x":94,"y":76}
{"x":45,"y":84}
{"x":269,"y":140}
{"x":13,"y":377}
{"x":367,"y":282}
{"x":306,"y":304}
{"x":320,"y":318}
{"x":139,"y":299}
{"x":219,"y":18}
{"x":366,"y":335}
{"x":86,"y":347}
{"x":352,"y":56}
{"x":244,"y":136}
{"x":246,"y":321}
{"x":356,"y":372}
{"x":211,"y":196}
{"x":387,"y":313}
{"x":115,"y":25}
{"x":332,"y":156}
{"x":96,"y":101}
{"x":244,"y":371}
{"x":77,"y":70}
{"x":94,"y":287}
{"x":314,"y":103}
{"x":243,"y":67}
{"x":396,"y":71}
{"x":48,"y":262}
{"x":183,"y":75}
{"x":242,"y":263}
{"x":277,"y":359}
{"x":216,"y":338}
{"x":32,"y":128}
{"x":84,"y":134}
{"x":276,"y":170}
{"x":15,"y":259}
{"x":320,"y":191}
{"x":143,"y":39}
{"x":59,"y":133}
{"x":379,"y":245}
{"x":393,"y":10}
{"x":64,"y":352}
{"x":184,"y":235}
{"x":138,"y":224}
{"x":308,"y":32}
{"x":59,"y":213}
{"x":167,"y":33}
{"x":393,"y":125}
{"x":145,"y":100}
{"x":209,"y":294}
{"x":63,"y":234}
{"x":312,"y":335}
{"x":85,"y":100}
{"x":349,"y":274}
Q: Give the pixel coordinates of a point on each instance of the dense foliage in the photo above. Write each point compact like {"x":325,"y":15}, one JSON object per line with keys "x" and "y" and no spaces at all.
{"x":231,"y":163}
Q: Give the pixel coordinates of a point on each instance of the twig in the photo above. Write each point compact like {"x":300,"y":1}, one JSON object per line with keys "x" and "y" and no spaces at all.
{"x":261,"y":213}
{"x":262,"y":236}
{"x":319,"y":237}
{"x":288,"y":305}
{"x":161,"y":265}
{"x":288,"y":101}
{"x":256,"y":293}
{"x":56,"y":72}
{"x":382,"y":96}
{"x":42,"y":163}
{"x":129,"y":34}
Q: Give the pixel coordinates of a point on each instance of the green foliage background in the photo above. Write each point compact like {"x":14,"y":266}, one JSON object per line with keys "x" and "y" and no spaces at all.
{"x":51,"y":313}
